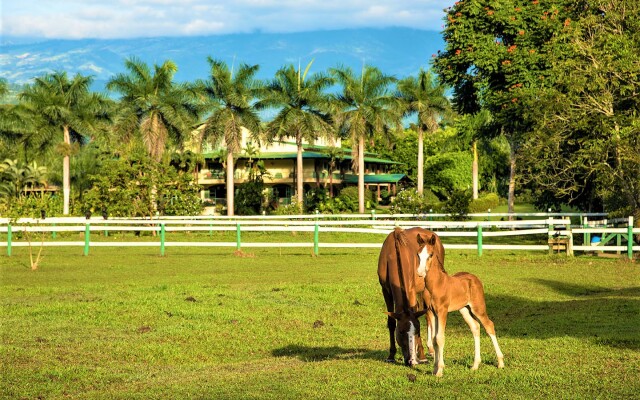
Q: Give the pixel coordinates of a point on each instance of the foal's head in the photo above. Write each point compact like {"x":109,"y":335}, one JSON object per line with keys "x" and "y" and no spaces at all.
{"x":429,"y":250}
{"x":407,"y":330}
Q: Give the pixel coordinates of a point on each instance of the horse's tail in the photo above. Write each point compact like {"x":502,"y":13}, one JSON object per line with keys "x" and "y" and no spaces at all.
{"x":405,"y":269}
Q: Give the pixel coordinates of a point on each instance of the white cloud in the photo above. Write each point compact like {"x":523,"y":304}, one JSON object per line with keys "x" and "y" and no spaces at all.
{"x":146,"y":18}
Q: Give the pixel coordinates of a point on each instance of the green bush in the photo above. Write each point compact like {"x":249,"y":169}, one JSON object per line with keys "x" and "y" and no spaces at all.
{"x":139,"y":187}
{"x":248,"y":200}
{"x":33,"y":206}
{"x":409,"y":201}
{"x":458,"y":204}
{"x":484,"y":202}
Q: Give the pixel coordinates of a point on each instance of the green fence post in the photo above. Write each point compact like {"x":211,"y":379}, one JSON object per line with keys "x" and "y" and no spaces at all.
{"x":586,"y":237}
{"x":87,"y":235}
{"x":9,"y":240}
{"x":630,"y":239}
{"x":373,"y":215}
{"x":238,"y":237}
{"x":316,"y":237}
{"x":479,"y":240}
{"x":53,"y":233}
{"x":162,"y":238}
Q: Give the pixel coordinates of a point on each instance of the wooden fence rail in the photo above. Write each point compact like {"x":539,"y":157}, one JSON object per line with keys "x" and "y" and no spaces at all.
{"x":559,"y":232}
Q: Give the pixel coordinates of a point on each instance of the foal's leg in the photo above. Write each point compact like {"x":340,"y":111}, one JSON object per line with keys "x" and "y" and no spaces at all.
{"x":480,"y":312}
{"x":430,"y":335}
{"x":438,"y":345}
{"x":475,"y":330}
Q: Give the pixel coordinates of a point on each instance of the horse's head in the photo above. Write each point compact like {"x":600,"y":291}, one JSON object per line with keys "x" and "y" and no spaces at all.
{"x":430,"y":250}
{"x":407,"y":334}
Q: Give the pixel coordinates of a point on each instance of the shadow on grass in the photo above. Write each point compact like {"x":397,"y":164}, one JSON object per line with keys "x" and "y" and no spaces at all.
{"x":604,"y":316}
{"x":313,"y":354}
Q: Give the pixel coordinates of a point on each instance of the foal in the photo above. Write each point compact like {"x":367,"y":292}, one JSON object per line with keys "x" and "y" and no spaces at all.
{"x":444,"y":293}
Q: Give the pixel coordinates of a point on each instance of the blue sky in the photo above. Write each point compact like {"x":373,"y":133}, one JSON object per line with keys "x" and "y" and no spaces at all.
{"x":76,"y":19}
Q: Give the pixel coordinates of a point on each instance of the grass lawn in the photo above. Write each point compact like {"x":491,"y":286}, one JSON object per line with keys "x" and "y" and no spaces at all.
{"x":281,"y":324}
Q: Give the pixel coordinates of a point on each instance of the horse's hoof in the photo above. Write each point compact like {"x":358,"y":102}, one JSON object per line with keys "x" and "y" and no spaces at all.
{"x":423,"y":361}
{"x":390,"y":360}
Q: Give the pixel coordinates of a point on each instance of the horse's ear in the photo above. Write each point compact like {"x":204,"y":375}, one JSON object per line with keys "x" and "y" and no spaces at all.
{"x":420,"y":313}
{"x":432,"y":239}
{"x":393,"y":315}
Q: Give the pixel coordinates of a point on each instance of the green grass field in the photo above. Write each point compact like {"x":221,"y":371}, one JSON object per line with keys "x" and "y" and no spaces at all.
{"x":281,"y":324}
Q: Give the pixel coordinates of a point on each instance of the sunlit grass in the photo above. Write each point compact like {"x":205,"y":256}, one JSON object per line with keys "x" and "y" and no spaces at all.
{"x":279,"y":323}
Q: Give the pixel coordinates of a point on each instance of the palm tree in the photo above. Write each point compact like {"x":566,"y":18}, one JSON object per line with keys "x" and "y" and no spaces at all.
{"x":426,"y":99}
{"x":60,"y":105}
{"x":367,"y":106}
{"x":154,"y":106}
{"x":229,"y":99}
{"x":302,"y":113}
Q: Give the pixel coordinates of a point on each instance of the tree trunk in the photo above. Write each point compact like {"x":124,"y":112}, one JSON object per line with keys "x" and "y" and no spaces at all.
{"x":512,"y":182}
{"x":299,"y":176}
{"x":66,"y":179}
{"x":230,"y":183}
{"x":474,"y":169}
{"x":331,"y":167}
{"x":420,"y":161}
{"x":361,"y":175}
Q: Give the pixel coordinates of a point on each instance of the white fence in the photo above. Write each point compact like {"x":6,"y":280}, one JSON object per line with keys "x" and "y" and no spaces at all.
{"x":554,"y":233}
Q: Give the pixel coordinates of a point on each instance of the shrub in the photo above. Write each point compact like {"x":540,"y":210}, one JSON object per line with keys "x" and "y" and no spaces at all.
{"x":248,"y":200}
{"x":290,"y":209}
{"x":484,"y":202}
{"x":409,"y":201}
{"x":458,"y":204}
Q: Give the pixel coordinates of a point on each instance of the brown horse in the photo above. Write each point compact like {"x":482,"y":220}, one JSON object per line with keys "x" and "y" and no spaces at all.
{"x":462,"y":291}
{"x":398,"y":266}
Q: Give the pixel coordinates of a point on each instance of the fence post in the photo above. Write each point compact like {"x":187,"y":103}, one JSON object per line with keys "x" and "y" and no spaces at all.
{"x":237,"y":235}
{"x":479,"y":240}
{"x":87,"y":235}
{"x":630,"y":238}
{"x":162,"y":239}
{"x":53,"y":233}
{"x":373,"y":214}
{"x":550,"y":235}
{"x":586,"y":239}
{"x":316,"y":239}
{"x":9,"y":240}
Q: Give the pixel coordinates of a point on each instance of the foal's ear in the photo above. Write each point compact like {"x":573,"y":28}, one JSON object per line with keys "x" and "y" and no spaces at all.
{"x":429,"y":239}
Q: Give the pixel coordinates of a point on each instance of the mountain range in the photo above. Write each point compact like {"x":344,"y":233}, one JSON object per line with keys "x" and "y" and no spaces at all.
{"x":396,"y":51}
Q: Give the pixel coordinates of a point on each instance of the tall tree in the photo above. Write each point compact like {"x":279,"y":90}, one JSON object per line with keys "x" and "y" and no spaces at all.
{"x":153,"y":107}
{"x":588,"y":146}
{"x":302,"y":104}
{"x":368,"y":106}
{"x":67,"y":107}
{"x":230,"y":98}
{"x":425,"y":98}
{"x":496,"y":58}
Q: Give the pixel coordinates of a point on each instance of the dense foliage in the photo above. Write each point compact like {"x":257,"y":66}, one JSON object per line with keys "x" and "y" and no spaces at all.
{"x":546,"y":90}
{"x":560,"y":79}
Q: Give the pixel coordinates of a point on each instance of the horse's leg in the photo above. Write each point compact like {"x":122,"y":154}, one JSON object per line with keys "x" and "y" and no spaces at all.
{"x":475,"y":330}
{"x":439,"y":327}
{"x":391,"y":325}
{"x":479,"y":311}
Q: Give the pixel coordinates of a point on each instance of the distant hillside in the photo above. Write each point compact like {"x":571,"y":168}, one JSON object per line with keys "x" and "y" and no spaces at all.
{"x":397,"y":51}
